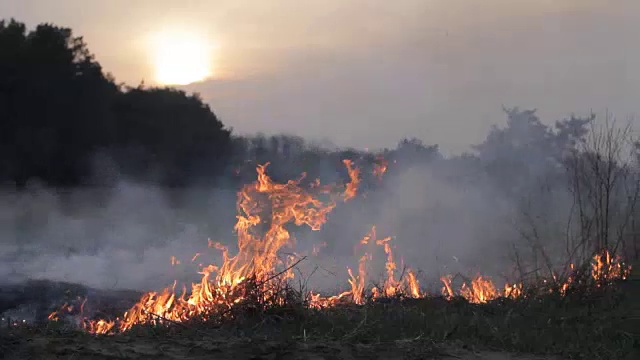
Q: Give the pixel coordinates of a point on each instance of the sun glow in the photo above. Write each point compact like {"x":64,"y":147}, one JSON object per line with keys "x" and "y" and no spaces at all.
{"x":181,"y":57}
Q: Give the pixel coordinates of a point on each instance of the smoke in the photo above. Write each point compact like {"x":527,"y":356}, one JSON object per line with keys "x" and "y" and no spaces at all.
{"x":140,"y":237}
{"x":123,"y":237}
{"x":442,"y":227}
{"x":437,"y":227}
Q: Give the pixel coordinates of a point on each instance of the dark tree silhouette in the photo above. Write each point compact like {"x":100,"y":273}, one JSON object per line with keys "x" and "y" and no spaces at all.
{"x":175,"y":135}
{"x":526,"y":150}
{"x":54,"y":104}
{"x":58,"y":109}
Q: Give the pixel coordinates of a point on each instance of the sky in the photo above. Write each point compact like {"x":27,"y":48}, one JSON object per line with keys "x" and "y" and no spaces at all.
{"x":366,"y":73}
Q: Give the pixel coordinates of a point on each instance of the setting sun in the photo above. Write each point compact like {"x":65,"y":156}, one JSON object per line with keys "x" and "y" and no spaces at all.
{"x":180,"y":58}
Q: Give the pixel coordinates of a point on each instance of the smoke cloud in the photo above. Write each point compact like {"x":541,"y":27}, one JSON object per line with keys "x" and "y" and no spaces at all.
{"x":442,"y":218}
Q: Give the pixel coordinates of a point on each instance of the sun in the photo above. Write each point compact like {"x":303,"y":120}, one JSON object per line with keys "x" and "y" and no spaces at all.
{"x":180,"y":57}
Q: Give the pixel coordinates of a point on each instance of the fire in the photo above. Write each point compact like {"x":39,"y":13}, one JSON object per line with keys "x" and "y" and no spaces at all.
{"x":65,"y":308}
{"x":380,"y":167}
{"x":414,"y":284}
{"x":354,"y":175}
{"x":392,"y":286}
{"x":481,"y":289}
{"x":264,"y":209}
{"x":257,"y":258}
{"x":512,"y":291}
{"x":605,"y":269}
{"x":407,"y":286}
{"x":358,"y":282}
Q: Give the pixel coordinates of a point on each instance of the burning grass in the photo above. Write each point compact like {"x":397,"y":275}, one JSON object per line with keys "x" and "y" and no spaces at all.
{"x":249,"y":294}
{"x":597,"y":324}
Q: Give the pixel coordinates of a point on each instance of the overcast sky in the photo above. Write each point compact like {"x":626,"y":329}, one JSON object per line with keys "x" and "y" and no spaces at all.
{"x":366,"y":73}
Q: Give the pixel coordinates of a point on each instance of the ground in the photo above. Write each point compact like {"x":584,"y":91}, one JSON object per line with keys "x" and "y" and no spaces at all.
{"x":603,"y":324}
{"x":131,"y":347}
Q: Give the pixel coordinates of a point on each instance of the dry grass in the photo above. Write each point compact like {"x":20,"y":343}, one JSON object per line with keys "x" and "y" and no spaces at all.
{"x":585,"y":324}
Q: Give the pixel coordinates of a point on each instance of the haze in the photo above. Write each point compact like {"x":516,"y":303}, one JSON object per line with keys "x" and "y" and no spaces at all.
{"x":364,"y":74}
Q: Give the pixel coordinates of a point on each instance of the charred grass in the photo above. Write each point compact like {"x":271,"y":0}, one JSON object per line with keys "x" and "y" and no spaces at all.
{"x":584,"y":324}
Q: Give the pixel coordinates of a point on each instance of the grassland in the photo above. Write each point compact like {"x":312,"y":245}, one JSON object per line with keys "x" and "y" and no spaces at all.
{"x":594,"y":324}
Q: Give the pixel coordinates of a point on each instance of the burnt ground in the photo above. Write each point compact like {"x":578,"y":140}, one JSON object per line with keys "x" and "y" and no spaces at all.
{"x":34,"y":300}
{"x":593,"y":325}
{"x":174,"y":348}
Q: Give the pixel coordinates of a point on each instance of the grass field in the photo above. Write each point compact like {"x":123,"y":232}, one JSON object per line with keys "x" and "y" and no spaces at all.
{"x":600,"y":324}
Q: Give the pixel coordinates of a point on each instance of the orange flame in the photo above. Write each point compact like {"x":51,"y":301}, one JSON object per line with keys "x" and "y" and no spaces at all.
{"x":264,"y":209}
{"x":354,"y":175}
{"x":257,"y":251}
{"x":380,"y":167}
{"x":605,"y":269}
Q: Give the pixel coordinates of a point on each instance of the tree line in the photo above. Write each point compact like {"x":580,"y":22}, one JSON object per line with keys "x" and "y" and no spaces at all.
{"x":67,"y":123}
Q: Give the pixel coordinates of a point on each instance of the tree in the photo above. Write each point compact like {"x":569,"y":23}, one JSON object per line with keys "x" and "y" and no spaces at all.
{"x":59,"y":111}
{"x":175,"y":134}
{"x":54,"y":101}
{"x":526,"y":151}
